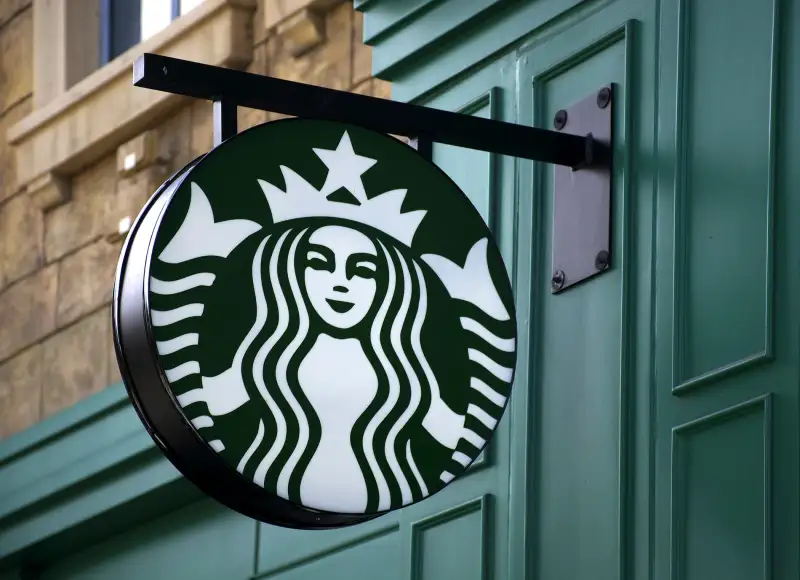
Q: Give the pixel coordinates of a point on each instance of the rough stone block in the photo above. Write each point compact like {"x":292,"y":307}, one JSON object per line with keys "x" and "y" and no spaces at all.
{"x":85,"y":218}
{"x":259,"y":63}
{"x":202,"y":139}
{"x":27,"y":311}
{"x":363,"y":88}
{"x":75,"y":362}
{"x":362,"y":54}
{"x":11,"y":8}
{"x":86,"y":280}
{"x":302,"y":32}
{"x":21,"y":238}
{"x":381,"y":89}
{"x":48,"y":191}
{"x":174,"y":137}
{"x":20,"y":391}
{"x":132,"y":193}
{"x":138,"y":153}
{"x":16,"y":59}
{"x":328,"y":65}
{"x":8,"y":158}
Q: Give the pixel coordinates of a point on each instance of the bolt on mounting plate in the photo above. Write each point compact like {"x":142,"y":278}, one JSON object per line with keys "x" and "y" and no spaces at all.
{"x":582,"y":197}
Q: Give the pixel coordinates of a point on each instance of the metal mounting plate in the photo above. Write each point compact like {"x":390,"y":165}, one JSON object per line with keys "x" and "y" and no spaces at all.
{"x":582,"y":197}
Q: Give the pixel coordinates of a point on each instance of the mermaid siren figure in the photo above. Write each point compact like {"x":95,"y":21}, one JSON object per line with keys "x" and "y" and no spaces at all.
{"x":366,"y":373}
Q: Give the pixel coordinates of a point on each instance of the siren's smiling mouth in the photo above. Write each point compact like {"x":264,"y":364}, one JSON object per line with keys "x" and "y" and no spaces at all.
{"x":339,"y":305}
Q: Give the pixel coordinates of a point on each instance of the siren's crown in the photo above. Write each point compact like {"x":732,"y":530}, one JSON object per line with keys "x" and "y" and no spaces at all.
{"x":302,"y":200}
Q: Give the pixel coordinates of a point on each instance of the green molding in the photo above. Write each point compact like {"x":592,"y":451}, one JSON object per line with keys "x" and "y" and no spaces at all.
{"x":419,"y":30}
{"x":487,"y":99}
{"x":762,"y":405}
{"x":625,"y":261}
{"x":329,"y":551}
{"x":392,"y":16}
{"x":480,"y":504}
{"x":73,"y":467}
{"x":681,"y":383}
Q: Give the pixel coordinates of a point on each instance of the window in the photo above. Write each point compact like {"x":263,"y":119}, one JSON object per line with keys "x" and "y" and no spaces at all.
{"x":126,"y":23}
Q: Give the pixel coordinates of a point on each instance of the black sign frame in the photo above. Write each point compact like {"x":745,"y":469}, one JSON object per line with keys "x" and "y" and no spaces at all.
{"x":228,"y":89}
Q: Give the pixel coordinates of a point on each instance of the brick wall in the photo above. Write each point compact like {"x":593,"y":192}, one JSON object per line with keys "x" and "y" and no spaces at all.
{"x":57,"y":266}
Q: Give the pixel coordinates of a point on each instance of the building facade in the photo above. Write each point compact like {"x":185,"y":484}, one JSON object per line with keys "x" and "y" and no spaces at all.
{"x":653,"y":430}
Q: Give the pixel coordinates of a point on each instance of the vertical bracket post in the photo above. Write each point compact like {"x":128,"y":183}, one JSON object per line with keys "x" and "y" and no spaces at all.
{"x":225,"y":121}
{"x":423,"y":146}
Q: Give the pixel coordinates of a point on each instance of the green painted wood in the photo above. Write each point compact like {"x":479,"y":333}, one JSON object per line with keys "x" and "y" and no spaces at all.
{"x":203,"y":540}
{"x":726,"y":409}
{"x":79,"y":465}
{"x":581,"y":370}
{"x":722,"y":162}
{"x":653,"y":432}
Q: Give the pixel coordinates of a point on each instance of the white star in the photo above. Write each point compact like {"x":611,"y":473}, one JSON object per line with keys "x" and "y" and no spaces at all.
{"x":345,"y":169}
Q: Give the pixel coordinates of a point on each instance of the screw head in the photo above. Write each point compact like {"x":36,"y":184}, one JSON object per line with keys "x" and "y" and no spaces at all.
{"x":557,"y":282}
{"x":560,"y":120}
{"x":601,"y":260}
{"x":603,"y":97}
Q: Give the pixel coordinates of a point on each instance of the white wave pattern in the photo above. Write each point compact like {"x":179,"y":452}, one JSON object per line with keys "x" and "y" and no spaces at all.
{"x":501,"y":372}
{"x":167,"y":317}
{"x":217,"y":445}
{"x":487,"y":391}
{"x":282,"y":380}
{"x":415,"y":470}
{"x":177,"y":286}
{"x":416,"y":390}
{"x":202,"y":421}
{"x":482,"y":416}
{"x":252,"y":449}
{"x":183,"y":371}
{"x":416,"y":345}
{"x":261,"y":356}
{"x":165,"y":347}
{"x":473,"y":438}
{"x":504,"y":344}
{"x":384,"y":497}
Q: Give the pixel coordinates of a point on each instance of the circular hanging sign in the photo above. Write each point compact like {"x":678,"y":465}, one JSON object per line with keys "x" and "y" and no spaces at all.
{"x":315,"y":324}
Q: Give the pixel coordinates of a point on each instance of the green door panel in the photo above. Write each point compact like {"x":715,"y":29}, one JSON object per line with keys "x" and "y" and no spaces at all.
{"x":199,"y":542}
{"x":580,"y":366}
{"x":724,"y":188}
{"x":726,"y":422}
{"x":451,"y":534}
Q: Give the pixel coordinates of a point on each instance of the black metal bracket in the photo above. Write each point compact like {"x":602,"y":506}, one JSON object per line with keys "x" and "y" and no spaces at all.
{"x":582,"y":151}
{"x":582,"y":199}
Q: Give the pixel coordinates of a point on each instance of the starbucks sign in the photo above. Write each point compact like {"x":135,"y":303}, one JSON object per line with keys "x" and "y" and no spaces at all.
{"x":315,"y":324}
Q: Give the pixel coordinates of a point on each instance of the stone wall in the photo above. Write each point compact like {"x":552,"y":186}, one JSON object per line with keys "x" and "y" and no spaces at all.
{"x":57,"y":264}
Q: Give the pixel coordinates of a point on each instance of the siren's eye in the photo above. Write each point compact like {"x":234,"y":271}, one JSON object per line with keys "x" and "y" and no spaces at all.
{"x":319,"y":261}
{"x":362,"y":265}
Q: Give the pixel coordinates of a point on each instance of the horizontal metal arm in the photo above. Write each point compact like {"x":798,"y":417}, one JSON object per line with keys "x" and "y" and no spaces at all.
{"x":237,"y":88}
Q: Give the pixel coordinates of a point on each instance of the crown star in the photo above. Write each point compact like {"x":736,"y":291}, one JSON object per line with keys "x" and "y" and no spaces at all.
{"x":345,"y":168}
{"x":302,"y":200}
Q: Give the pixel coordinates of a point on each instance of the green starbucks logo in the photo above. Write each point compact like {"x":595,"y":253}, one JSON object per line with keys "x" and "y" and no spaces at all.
{"x":332,"y":316}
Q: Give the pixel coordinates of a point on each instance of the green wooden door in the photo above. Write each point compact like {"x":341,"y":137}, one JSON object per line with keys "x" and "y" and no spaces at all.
{"x":582,"y":375}
{"x":726,"y":358}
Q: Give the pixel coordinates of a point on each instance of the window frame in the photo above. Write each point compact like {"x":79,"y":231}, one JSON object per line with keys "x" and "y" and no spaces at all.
{"x":106,"y":33}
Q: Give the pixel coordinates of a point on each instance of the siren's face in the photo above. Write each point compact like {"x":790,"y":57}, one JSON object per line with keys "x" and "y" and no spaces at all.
{"x":341,"y":266}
